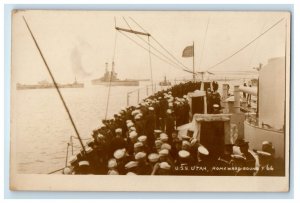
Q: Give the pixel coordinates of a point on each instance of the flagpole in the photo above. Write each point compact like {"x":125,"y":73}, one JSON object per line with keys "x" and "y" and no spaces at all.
{"x":193,"y":62}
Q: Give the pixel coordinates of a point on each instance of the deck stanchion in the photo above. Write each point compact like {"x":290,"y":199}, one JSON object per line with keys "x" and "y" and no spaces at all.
{"x":147,"y":90}
{"x":138,"y":96}
{"x":128,"y":98}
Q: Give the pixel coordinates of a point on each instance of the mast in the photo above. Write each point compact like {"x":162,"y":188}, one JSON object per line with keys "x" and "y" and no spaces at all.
{"x":193,"y":62}
{"x":55,"y":84}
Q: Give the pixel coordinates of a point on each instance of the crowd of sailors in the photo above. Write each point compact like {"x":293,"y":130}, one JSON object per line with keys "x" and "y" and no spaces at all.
{"x":144,"y":140}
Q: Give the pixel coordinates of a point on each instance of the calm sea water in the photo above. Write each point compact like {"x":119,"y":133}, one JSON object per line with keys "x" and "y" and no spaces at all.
{"x":43,"y":128}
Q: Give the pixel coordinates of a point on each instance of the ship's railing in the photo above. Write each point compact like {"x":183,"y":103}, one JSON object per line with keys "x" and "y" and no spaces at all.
{"x":134,"y":97}
{"x":253,"y":120}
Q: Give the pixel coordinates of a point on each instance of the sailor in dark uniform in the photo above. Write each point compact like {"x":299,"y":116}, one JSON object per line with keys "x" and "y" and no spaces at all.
{"x":203,"y":164}
{"x":118,"y":141}
{"x":144,"y":168}
{"x":183,"y":165}
{"x":170,"y":124}
{"x":131,"y":166}
{"x":225,"y":162}
{"x":247,"y":164}
{"x":149,"y":127}
{"x":140,"y":128}
{"x":120,"y":156}
{"x":163,"y":168}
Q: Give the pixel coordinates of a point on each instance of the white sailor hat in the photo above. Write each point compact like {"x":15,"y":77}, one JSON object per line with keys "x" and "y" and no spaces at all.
{"x":267,"y":146}
{"x":266,"y":143}
{"x":112,"y":163}
{"x":157,"y":131}
{"x":128,"y":121}
{"x":112,"y":172}
{"x":170,"y":104}
{"x":88,"y":150}
{"x":83,"y":163}
{"x":132,"y":134}
{"x":216,"y":105}
{"x":166,"y":146}
{"x":164,"y":165}
{"x":151,"y":108}
{"x":142,"y":138}
{"x":153,"y":157}
{"x":169,"y":92}
{"x":137,"y":145}
{"x":135,"y":112}
{"x":137,"y":117}
{"x":265,"y":154}
{"x":203,"y":150}
{"x":163,"y":152}
{"x":100,"y":136}
{"x":183,"y":154}
{"x":186,"y":143}
{"x":237,"y":156}
{"x":130,"y":173}
{"x":169,"y":111}
{"x":118,"y":130}
{"x":119,"y":153}
{"x":130,"y":124}
{"x":73,"y":159}
{"x":158,"y":143}
{"x":131,"y":164}
{"x":132,"y":129}
{"x":67,"y":171}
{"x":140,"y":155}
{"x":163,"y":137}
{"x":185,"y":96}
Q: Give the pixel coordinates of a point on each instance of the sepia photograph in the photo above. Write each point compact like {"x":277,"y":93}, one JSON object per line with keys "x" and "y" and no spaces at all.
{"x":150,"y":100}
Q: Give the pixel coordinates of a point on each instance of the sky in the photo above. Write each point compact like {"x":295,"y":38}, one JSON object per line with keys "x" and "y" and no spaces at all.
{"x":79,"y":43}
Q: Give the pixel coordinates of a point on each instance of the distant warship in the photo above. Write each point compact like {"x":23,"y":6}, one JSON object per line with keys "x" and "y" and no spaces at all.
{"x":110,"y":78}
{"x":47,"y":85}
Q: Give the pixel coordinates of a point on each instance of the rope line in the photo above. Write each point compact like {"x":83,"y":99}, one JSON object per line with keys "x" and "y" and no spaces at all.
{"x":55,"y":84}
{"x":245,"y":46}
{"x":161,"y":46}
{"x":173,"y":65}
{"x":203,"y":46}
{"x":150,"y":64}
{"x":178,"y":63}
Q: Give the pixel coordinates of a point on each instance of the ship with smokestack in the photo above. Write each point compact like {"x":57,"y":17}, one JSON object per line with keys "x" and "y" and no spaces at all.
{"x":111,"y":78}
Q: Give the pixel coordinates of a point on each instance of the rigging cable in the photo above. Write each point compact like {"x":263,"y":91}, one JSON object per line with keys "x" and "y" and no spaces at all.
{"x":150,"y":64}
{"x":111,"y":73}
{"x":203,"y":46}
{"x":168,"y":58}
{"x":245,"y":46}
{"x":55,"y":84}
{"x":255,"y":47}
{"x":162,"y":46}
{"x":175,"y":66}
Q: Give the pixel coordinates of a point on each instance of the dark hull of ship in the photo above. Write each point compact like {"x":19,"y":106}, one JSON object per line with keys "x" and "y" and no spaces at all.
{"x":26,"y":87}
{"x":117,"y":83}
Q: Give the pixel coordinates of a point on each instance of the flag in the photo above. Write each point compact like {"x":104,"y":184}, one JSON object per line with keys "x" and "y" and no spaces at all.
{"x":188,"y":51}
